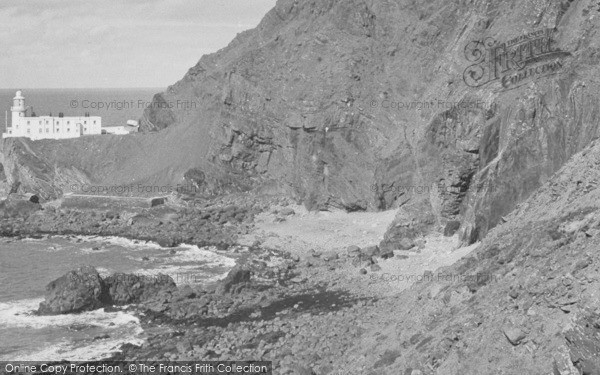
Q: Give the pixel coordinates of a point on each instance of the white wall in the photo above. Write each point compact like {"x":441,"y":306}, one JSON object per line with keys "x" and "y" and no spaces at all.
{"x":46,"y":127}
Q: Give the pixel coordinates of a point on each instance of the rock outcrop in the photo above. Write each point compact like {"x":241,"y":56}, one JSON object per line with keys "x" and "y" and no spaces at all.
{"x":77,"y":291}
{"x":84,"y":290}
{"x":525,"y":301}
{"x":234,"y":281}
{"x":17,"y":207}
{"x":123,"y":289}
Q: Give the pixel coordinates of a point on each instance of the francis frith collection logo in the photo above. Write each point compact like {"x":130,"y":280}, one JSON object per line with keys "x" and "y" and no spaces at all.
{"x":515,"y":62}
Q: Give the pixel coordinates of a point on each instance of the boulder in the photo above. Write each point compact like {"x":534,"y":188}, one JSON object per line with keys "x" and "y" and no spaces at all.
{"x":77,"y":291}
{"x":287,"y":211}
{"x":166,"y":241}
{"x":405,"y":244}
{"x":237,"y":275}
{"x":370,"y":251}
{"x":353,"y":250}
{"x":123,"y":289}
{"x":514,"y":335}
{"x":330,"y":255}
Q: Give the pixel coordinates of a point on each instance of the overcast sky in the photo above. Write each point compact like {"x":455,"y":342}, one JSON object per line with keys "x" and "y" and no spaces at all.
{"x":114,"y":43}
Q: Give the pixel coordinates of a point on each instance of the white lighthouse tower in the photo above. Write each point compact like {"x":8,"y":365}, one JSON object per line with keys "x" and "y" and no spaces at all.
{"x":48,"y":127}
{"x":18,"y":108}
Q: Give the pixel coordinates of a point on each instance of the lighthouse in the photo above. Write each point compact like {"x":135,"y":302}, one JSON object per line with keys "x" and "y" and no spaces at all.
{"x":48,"y":127}
{"x":18,"y":108}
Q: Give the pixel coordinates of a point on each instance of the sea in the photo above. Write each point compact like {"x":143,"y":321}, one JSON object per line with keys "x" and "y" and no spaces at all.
{"x":115,"y":106}
{"x":28,"y":265}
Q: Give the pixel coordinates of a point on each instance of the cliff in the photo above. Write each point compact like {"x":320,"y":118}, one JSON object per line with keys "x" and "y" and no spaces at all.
{"x":360,"y":104}
{"x":374,"y":105}
{"x":524,"y":302}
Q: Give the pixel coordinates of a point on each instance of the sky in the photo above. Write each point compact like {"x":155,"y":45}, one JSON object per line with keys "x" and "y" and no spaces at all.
{"x":114,"y":43}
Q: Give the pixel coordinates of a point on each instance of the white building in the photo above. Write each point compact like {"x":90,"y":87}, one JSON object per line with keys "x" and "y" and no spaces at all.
{"x":48,"y":127}
{"x":125,"y":129}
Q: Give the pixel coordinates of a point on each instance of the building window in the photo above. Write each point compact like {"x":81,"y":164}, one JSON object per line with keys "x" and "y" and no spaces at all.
{"x":85,"y":123}
{"x":94,"y":122}
{"x":84,"y":129}
{"x":28,"y":123}
{"x":40,"y":130}
{"x":68,"y":122}
{"x":28,"y":131}
{"x":68,"y":129}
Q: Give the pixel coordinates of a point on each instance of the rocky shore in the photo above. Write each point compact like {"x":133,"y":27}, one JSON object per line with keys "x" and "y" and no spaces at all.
{"x":296,"y":303}
{"x":524,"y":300}
{"x":297,"y":314}
{"x":216,"y":222}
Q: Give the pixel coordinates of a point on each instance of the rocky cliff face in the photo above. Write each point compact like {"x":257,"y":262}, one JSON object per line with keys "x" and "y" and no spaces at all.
{"x":525,"y":301}
{"x":455,"y":110}
{"x":371,"y":105}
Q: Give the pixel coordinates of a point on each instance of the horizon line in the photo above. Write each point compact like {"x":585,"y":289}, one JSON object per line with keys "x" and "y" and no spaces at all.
{"x":83,"y":88}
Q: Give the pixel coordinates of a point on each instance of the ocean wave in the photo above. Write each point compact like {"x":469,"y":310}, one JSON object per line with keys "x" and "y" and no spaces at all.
{"x":91,"y":351}
{"x":209,"y":256}
{"x":21,"y":314}
{"x":69,"y":336}
{"x":115,"y":241}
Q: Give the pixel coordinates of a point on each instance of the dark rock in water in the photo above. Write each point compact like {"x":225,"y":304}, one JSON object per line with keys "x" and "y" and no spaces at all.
{"x":124,"y":289}
{"x":166,"y":242}
{"x":84,"y":290}
{"x":237,"y":275}
{"x":77,"y":291}
{"x":451,"y":228}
